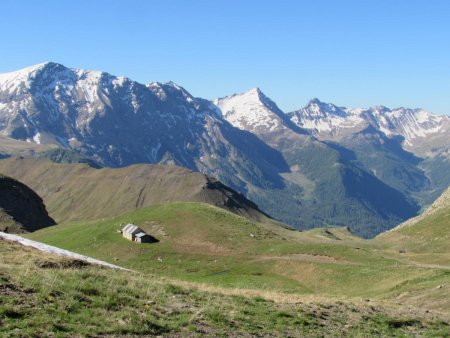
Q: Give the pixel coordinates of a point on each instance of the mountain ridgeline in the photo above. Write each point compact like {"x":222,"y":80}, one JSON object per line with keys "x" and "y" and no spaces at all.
{"x":74,"y":192}
{"x":321,"y":165}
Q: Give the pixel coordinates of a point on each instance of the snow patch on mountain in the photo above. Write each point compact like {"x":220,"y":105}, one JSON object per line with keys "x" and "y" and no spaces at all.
{"x":37,"y":138}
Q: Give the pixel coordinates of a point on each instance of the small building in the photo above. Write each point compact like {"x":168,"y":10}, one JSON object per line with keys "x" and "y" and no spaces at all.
{"x":134,"y":233}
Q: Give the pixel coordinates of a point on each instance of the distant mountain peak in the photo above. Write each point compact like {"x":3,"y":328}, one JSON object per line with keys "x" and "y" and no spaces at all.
{"x":33,"y":68}
{"x":315,"y":100}
{"x":380,"y":109}
{"x":255,"y":91}
{"x":315,"y":107}
{"x":327,"y":120}
{"x":12,"y":81}
{"x":252,"y":111}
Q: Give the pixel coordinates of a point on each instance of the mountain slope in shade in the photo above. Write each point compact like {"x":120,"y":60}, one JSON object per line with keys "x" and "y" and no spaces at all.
{"x":21,"y":209}
{"x":80,"y":192}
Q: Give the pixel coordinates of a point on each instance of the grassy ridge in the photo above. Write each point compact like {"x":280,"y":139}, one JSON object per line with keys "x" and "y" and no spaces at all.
{"x":80,"y":192}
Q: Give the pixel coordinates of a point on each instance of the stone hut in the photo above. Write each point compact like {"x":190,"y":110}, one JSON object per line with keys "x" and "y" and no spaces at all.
{"x":134,"y":233}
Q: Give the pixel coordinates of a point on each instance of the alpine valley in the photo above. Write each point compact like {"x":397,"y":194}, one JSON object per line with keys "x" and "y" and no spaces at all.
{"x":321,"y":165}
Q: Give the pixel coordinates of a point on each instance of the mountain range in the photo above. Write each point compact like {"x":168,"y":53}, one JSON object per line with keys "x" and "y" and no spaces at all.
{"x":368,"y":169}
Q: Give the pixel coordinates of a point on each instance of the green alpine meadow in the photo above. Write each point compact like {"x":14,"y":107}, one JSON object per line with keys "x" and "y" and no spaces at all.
{"x":224,"y":169}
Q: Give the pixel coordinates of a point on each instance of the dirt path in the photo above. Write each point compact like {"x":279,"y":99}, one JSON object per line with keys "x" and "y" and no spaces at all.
{"x":307,"y":258}
{"x":57,"y":251}
{"x":425,"y":265}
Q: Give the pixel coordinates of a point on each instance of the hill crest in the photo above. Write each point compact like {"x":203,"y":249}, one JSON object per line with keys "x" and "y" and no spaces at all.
{"x":80,"y":192}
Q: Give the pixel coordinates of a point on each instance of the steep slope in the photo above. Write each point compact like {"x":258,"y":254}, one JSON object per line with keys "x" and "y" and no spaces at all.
{"x":80,"y":192}
{"x":323,"y":185}
{"x":21,"y":209}
{"x":426,"y":233}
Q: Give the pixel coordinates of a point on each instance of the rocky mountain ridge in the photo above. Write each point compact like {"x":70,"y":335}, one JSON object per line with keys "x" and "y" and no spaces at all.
{"x":328,"y":121}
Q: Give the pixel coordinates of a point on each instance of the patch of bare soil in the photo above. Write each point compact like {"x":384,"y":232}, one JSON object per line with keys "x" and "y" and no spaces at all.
{"x":9,"y":289}
{"x":62,"y":264}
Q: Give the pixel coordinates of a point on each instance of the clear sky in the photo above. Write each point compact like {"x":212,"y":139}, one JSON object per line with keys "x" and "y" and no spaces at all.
{"x":349,"y":52}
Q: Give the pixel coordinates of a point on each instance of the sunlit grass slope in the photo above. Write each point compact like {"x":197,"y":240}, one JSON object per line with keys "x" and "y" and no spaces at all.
{"x":43,"y":295}
{"x":427,"y":233}
{"x":79,"y":192}
{"x":204,"y":244}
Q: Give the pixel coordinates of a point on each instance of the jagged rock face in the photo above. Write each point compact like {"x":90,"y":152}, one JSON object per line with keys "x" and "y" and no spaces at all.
{"x":413,"y":126}
{"x":21,"y":209}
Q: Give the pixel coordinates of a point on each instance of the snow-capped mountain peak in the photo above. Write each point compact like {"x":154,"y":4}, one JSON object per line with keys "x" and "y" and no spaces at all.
{"x":328,"y":121}
{"x":321,"y":117}
{"x":12,"y":81}
{"x":319,"y":108}
{"x":411,"y":124}
{"x":251,"y":111}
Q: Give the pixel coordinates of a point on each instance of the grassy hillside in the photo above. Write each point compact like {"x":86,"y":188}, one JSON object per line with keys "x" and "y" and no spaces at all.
{"x":12,"y":147}
{"x":44,"y":295}
{"x":426,"y":234}
{"x":204,"y":244}
{"x":78,"y":191}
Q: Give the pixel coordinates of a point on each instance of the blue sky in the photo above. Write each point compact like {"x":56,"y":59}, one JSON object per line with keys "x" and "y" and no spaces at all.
{"x":353,"y":53}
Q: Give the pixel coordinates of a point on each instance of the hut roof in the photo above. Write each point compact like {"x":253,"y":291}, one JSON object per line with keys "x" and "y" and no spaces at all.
{"x":132,"y":229}
{"x":141,"y":234}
